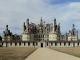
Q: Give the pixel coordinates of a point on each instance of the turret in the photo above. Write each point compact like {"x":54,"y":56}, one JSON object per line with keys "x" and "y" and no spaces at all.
{"x":73,"y":30}
{"x":27,"y":21}
{"x":73,"y":26}
{"x":44,"y":27}
{"x":23,"y":26}
{"x":59,"y":24}
{"x":77,"y":34}
{"x":27,"y":25}
{"x":44,"y":24}
{"x":58,"y":28}
{"x":41,"y":21}
{"x":54,"y":23}
{"x":6,"y":27}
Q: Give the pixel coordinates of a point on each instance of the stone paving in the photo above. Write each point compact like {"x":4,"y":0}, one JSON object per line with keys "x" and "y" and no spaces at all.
{"x":48,"y":54}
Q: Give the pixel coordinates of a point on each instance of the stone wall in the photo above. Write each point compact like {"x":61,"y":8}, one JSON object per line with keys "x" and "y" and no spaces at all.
{"x":41,"y":44}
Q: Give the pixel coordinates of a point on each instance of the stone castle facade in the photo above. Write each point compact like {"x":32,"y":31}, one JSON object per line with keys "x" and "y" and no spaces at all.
{"x":41,"y":34}
{"x":46,"y":32}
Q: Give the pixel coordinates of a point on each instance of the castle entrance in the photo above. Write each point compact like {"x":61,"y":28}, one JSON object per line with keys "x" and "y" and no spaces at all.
{"x":41,"y":44}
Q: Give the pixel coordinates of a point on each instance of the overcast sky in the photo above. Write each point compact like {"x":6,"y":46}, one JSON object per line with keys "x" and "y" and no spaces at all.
{"x":15,"y":12}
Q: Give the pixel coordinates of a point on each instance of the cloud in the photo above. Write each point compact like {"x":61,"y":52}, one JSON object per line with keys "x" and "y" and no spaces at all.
{"x":14,"y":13}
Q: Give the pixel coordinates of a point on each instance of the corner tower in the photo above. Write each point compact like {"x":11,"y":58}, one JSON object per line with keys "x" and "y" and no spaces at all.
{"x":27,"y":35}
{"x":53,"y":35}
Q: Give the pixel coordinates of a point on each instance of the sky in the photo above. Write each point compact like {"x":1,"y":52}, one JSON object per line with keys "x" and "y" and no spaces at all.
{"x":14,"y":12}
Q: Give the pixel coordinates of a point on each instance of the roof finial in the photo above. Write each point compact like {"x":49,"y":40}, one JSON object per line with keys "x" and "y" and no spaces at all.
{"x":6,"y":25}
{"x":44,"y":22}
{"x":73,"y":25}
{"x":41,"y":19}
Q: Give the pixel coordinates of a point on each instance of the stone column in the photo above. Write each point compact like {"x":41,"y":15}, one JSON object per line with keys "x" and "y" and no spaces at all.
{"x":53,"y":44}
{"x":4,"y":44}
{"x":71,"y":44}
{"x":22,"y":44}
{"x":26,"y":44}
{"x":13,"y":44}
{"x":62,"y":44}
{"x":79,"y":43}
{"x":8,"y":44}
{"x":67,"y":44}
{"x":75,"y":44}
{"x":31,"y":44}
{"x":18,"y":44}
{"x":50,"y":44}
{"x":44,"y":44}
{"x":39,"y":44}
{"x":36,"y":45}
{"x":58,"y":44}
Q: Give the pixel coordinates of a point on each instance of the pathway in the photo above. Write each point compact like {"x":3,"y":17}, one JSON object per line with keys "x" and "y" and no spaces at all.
{"x":48,"y":54}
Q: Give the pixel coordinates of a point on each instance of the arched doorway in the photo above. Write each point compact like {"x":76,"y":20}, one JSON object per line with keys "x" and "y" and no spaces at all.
{"x":41,"y":44}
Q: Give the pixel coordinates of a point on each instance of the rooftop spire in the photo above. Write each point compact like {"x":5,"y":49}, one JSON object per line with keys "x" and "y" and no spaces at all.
{"x":44,"y":22}
{"x":6,"y":27}
{"x":41,"y":19}
{"x":73,"y":25}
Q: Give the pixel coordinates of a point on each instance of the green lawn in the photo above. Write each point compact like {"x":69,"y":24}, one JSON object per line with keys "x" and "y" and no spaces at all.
{"x":75,"y":51}
{"x":15,"y":53}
